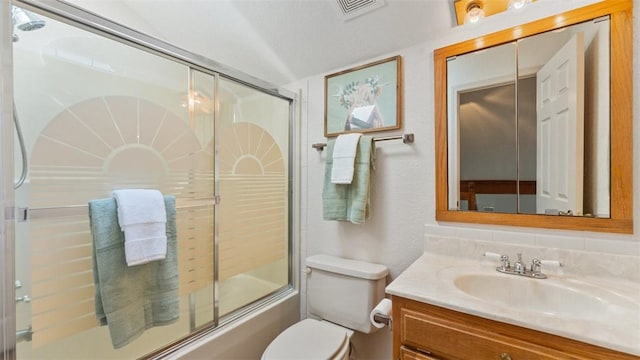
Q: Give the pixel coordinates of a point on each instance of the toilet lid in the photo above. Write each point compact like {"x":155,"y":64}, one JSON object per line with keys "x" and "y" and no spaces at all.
{"x":307,"y":339}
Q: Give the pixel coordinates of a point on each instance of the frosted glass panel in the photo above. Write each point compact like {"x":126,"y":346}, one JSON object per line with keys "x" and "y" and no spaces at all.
{"x":253,"y":213}
{"x":98,"y":115}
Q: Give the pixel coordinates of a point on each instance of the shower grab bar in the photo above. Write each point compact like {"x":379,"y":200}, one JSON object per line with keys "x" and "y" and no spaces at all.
{"x":406,"y":138}
{"x":26,"y":213}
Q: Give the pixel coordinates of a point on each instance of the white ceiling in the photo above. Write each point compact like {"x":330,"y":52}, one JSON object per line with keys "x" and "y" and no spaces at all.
{"x":281,"y":41}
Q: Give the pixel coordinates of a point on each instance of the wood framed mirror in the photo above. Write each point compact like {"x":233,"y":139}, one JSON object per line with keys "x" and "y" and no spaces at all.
{"x":452,"y":190}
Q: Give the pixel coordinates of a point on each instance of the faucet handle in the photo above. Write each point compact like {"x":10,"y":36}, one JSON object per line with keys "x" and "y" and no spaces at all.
{"x":491,"y":255}
{"x":495,"y":256}
{"x":536,"y":270}
{"x":504,"y":260}
{"x":553,"y":263}
{"x":536,"y":266}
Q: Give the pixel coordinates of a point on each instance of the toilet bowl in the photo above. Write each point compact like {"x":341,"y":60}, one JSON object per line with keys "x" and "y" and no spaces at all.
{"x":310,"y":339}
{"x":341,"y":293}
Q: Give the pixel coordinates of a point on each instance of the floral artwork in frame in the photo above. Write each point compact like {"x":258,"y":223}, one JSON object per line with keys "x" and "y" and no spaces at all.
{"x":364,"y":99}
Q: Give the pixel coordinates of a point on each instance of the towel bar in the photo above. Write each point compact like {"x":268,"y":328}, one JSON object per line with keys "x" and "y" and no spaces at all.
{"x":26,"y":213}
{"x":406,"y":138}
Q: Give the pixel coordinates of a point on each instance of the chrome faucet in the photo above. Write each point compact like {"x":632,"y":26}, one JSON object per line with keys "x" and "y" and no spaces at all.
{"x":519,"y":268}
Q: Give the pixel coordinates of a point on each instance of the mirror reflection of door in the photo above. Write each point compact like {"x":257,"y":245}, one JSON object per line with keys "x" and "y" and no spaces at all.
{"x":594,"y":155}
{"x":560,"y":124}
{"x":491,"y":179}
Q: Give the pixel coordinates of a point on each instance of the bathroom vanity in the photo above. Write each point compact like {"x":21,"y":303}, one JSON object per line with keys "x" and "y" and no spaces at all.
{"x":453,"y":304}
{"x":423,"y":331}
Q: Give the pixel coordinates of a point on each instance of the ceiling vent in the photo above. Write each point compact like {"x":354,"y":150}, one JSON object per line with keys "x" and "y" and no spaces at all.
{"x":354,"y":8}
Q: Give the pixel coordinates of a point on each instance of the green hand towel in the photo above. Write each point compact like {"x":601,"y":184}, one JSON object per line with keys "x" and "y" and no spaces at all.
{"x":349,"y":202}
{"x":131,"y":299}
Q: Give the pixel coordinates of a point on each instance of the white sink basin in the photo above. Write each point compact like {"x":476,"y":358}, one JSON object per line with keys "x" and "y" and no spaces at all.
{"x":531,"y":294}
{"x":567,"y":299}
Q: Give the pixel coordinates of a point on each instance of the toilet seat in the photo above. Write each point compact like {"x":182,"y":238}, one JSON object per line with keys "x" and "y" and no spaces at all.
{"x":309,"y":339}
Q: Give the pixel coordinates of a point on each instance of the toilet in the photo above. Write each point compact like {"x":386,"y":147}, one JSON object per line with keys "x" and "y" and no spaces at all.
{"x":341,"y":293}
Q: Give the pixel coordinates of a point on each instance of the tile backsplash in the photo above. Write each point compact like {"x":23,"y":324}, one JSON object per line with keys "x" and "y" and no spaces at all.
{"x":590,"y":242}
{"x":578,"y":262}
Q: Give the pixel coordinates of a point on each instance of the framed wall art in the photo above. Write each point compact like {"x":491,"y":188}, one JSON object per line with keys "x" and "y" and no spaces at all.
{"x":363,"y":99}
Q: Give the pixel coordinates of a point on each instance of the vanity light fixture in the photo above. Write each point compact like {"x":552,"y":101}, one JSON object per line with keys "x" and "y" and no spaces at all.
{"x":517,"y":4}
{"x":474,"y":12}
{"x":469,"y":11}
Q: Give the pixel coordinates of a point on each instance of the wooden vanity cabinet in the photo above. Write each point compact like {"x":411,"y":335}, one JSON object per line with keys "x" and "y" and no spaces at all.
{"x":426,"y":332}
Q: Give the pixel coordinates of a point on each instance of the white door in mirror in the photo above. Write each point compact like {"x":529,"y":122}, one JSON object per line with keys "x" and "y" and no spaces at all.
{"x":560,"y":129}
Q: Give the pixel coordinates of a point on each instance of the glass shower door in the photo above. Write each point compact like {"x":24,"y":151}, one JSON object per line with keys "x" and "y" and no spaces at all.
{"x":99,"y":115}
{"x":253,"y":186}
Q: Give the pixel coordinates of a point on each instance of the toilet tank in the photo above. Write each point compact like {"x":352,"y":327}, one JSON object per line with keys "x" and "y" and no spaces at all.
{"x":344,"y":291}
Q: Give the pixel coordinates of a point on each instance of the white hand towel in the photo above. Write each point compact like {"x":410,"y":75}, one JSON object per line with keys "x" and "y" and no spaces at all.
{"x":140,"y":206}
{"x":344,"y":155}
{"x":142,"y":218}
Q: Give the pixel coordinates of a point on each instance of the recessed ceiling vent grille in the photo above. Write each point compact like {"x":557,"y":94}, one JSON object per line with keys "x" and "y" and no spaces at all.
{"x":353,"y":8}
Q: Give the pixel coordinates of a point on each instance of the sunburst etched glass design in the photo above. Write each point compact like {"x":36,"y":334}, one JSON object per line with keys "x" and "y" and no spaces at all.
{"x":85,"y":152}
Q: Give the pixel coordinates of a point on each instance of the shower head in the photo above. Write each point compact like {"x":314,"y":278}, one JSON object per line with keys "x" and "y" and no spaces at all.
{"x":26,"y":20}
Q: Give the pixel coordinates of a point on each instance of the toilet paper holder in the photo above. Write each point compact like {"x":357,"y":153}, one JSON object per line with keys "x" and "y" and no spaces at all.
{"x":380,"y":316}
{"x":383,"y":319}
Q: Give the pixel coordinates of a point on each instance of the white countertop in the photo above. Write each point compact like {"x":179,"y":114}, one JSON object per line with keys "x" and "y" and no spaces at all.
{"x":430,"y":279}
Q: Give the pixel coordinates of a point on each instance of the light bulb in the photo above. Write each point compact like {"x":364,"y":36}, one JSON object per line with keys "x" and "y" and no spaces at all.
{"x":517,"y":4}
{"x":474,"y":13}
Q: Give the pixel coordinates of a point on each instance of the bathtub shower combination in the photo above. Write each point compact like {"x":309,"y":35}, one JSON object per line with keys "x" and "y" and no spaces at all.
{"x":96,"y":112}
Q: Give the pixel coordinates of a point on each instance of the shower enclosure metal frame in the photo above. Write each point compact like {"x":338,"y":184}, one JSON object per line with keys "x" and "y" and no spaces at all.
{"x":75,"y":16}
{"x":7,"y":292}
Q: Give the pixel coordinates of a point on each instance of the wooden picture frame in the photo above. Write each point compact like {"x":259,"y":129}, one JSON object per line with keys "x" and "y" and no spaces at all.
{"x":364,"y":99}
